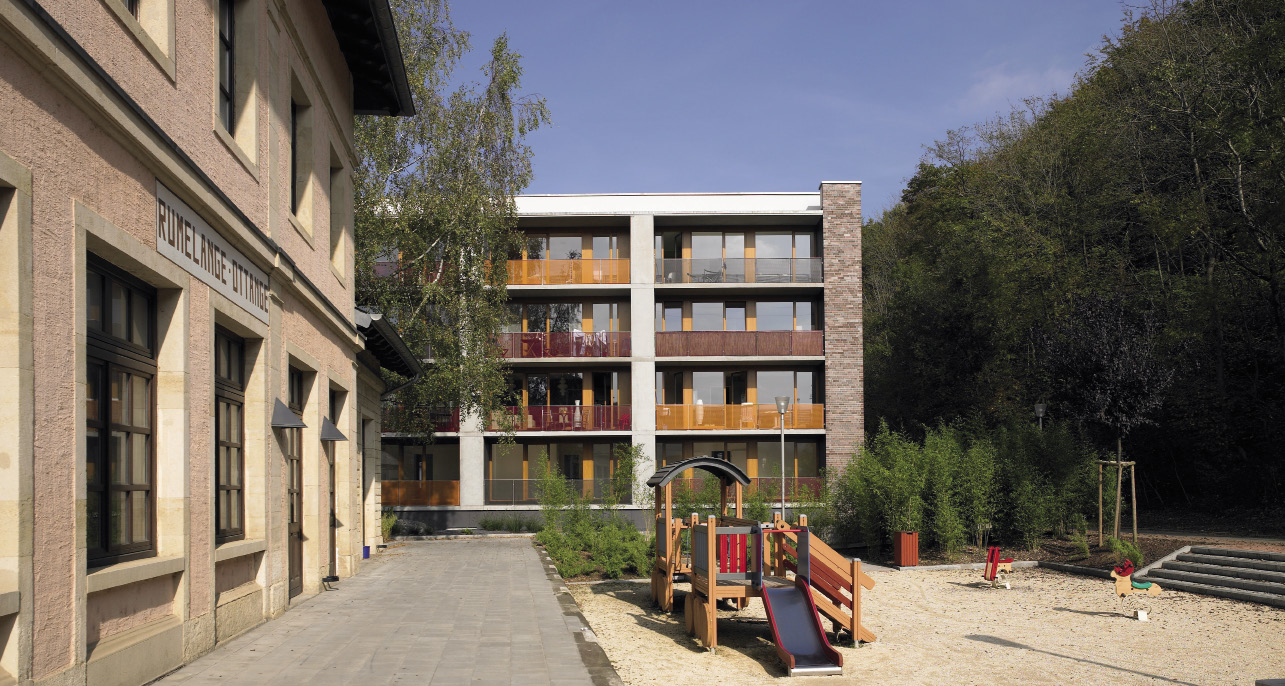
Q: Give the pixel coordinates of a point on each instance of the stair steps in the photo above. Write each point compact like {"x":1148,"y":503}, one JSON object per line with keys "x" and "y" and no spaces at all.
{"x":1249,"y":575}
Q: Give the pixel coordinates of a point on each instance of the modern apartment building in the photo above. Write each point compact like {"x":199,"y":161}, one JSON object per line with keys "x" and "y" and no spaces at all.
{"x":670,"y":321}
{"x":189,"y":397}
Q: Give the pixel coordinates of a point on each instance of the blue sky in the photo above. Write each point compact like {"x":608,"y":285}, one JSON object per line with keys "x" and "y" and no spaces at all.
{"x":773,"y":96}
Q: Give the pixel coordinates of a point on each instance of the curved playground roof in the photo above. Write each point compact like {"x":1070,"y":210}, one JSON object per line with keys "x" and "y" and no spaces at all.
{"x":724,"y":470}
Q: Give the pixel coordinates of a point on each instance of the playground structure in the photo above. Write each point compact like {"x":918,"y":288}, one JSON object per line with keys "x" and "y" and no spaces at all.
{"x":1125,"y":586}
{"x":996,"y":570}
{"x":732,"y":559}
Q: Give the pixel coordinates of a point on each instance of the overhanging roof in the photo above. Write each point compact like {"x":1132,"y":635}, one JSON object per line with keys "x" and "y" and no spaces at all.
{"x":724,"y":470}
{"x":368,"y":38}
{"x":385,"y":344}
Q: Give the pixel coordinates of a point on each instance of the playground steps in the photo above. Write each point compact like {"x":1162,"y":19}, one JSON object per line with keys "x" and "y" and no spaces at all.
{"x":1250,"y":575}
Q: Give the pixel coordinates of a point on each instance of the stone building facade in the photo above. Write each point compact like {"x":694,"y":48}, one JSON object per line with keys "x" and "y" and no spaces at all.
{"x":189,"y":398}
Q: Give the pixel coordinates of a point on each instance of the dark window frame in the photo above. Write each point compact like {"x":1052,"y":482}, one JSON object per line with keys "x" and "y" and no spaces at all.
{"x":229,"y":392}
{"x":131,"y":6}
{"x":227,"y":46}
{"x":294,"y":157}
{"x":107,"y":354}
{"x":294,"y":448}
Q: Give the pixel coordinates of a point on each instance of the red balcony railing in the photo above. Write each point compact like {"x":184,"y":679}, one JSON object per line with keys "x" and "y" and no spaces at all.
{"x":736,"y":343}
{"x":571,"y":418}
{"x":404,"y":493}
{"x":571,"y":344}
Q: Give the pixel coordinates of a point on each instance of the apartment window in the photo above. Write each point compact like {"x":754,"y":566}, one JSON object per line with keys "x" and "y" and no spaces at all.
{"x":707,"y":316}
{"x":120,"y":414}
{"x":301,"y":158}
{"x":227,"y":66}
{"x":786,"y":316}
{"x":229,"y":431}
{"x":799,"y":387}
{"x":606,"y":247}
{"x":294,"y":448}
{"x":131,"y":6}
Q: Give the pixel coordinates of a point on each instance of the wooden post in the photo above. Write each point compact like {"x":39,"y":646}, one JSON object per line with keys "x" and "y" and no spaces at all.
{"x":1100,"y":504}
{"x":740,"y":510}
{"x":1119,"y":486}
{"x":856,"y":600}
{"x":1133,"y":488}
{"x":722,"y":500}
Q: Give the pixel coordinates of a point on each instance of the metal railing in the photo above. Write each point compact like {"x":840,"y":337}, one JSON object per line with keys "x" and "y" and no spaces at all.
{"x":734,"y":417}
{"x":571,"y":418}
{"x":440,"y":418}
{"x":735,"y":343}
{"x":527,"y":491}
{"x":547,"y":272}
{"x":768,"y":486}
{"x":569,"y":344}
{"x":419,"y":493}
{"x":740,"y":270}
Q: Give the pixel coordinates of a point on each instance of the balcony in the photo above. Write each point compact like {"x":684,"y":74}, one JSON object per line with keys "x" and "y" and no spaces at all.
{"x":740,"y":270}
{"x":526,"y":491}
{"x":572,"y":344}
{"x":419,"y":493}
{"x":559,"y":272}
{"x":440,"y":418}
{"x":736,"y":417}
{"x":739,"y":343}
{"x":571,"y":418}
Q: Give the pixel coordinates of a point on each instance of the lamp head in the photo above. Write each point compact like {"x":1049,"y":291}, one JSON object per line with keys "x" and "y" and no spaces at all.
{"x":782,"y":403}
{"x":1039,"y":409}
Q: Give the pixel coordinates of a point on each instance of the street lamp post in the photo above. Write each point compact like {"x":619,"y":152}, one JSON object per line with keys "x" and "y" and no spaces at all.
{"x":782,"y":404}
{"x":1039,"y":412}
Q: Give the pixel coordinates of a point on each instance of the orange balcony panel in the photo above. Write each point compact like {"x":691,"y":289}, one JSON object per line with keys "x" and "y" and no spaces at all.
{"x":552,"y":272}
{"x":419,"y":493}
{"x":736,"y":417}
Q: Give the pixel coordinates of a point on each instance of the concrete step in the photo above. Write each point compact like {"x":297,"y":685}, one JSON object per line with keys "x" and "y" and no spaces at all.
{"x":1232,"y":552}
{"x":1226,"y":561}
{"x":1223,"y":592}
{"x":1162,"y":575}
{"x":1223,"y":570}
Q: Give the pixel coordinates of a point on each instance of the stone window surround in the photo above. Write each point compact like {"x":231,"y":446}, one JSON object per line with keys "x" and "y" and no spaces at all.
{"x":17,"y":428}
{"x":243,"y":140}
{"x":153,"y":29}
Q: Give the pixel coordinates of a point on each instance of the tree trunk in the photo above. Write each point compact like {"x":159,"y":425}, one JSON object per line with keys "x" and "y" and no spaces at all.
{"x":1119,"y":478}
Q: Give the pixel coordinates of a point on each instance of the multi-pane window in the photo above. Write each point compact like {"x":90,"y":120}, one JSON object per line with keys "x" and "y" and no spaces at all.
{"x":786,"y":316}
{"x":227,"y":63}
{"x":229,"y":431}
{"x":119,"y":413}
{"x":294,"y":448}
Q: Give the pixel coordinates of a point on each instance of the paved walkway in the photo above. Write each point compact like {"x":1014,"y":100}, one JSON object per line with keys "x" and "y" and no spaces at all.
{"x":449,"y":612}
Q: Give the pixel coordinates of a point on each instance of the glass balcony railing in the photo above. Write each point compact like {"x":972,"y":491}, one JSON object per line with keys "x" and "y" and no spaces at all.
{"x":570,"y":344}
{"x":551,"y":272}
{"x":768,"y":486}
{"x":419,"y":493}
{"x":737,"y":417}
{"x":740,"y":270}
{"x":570,"y":418}
{"x":737,"y":343}
{"x":440,"y":418}
{"x":527,"y":492}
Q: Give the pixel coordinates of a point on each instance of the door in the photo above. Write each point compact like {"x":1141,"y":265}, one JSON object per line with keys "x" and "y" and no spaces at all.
{"x":294,"y":527}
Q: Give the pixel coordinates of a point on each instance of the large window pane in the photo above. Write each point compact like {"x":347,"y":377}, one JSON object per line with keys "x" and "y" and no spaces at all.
{"x":735,"y":316}
{"x":537,"y":317}
{"x":804,"y":245}
{"x":804,"y":316}
{"x":707,"y":387}
{"x":119,"y":316}
{"x":772,"y":384}
{"x":775,"y":316}
{"x":566,"y":389}
{"x":806,"y":392}
{"x":566,"y":317}
{"x":773,"y":245}
{"x":564,"y":247}
{"x":537,"y":390}
{"x":737,"y":388}
{"x":707,"y":246}
{"x":707,"y":316}
{"x":712,"y":449}
{"x":673,"y":317}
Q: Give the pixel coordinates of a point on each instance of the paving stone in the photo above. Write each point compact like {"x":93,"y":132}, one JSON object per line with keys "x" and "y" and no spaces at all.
{"x":479,"y":612}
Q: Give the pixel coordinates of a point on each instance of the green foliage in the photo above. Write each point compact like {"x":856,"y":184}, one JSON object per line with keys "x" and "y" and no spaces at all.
{"x":434,"y":212}
{"x":387,"y":521}
{"x":1115,"y":252}
{"x":1124,"y":550}
{"x":585,"y":540}
{"x":513,"y":523}
{"x":1081,"y":542}
{"x":1018,"y":482}
{"x":410,"y":527}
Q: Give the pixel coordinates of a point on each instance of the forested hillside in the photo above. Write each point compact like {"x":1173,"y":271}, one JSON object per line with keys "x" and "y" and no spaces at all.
{"x":1116,"y":253}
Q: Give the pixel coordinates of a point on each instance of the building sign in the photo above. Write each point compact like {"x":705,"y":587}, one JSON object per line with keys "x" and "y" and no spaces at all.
{"x":191,"y":243}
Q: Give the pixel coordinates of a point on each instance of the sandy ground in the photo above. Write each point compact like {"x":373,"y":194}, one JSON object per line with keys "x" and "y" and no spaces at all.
{"x":945,"y":628}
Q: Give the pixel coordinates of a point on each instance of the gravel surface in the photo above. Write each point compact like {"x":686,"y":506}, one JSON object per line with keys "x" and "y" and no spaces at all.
{"x":945,"y":628}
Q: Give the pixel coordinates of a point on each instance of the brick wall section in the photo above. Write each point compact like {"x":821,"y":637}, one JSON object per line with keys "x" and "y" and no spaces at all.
{"x":844,"y":349}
